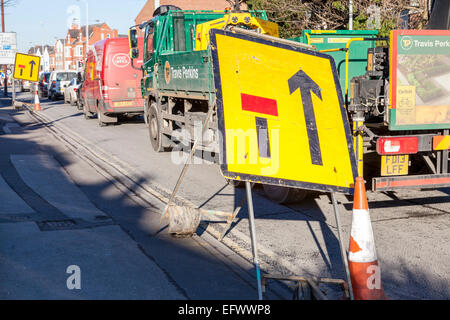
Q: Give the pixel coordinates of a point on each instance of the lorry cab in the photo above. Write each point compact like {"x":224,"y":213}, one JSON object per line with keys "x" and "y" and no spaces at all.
{"x":112,"y":83}
{"x":178,"y":81}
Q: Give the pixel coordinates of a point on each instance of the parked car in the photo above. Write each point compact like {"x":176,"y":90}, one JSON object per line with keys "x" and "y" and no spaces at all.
{"x":26,"y":86}
{"x":58,"y":81}
{"x":70,"y":92}
{"x":19,"y":85}
{"x":112,"y":86}
{"x":43,"y":84}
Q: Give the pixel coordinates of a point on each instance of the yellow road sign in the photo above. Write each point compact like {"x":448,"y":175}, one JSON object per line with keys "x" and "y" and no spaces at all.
{"x":26,"y":67}
{"x":281,"y":115}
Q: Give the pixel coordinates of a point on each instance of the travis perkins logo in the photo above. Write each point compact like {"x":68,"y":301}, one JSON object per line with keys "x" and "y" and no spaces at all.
{"x":406,"y":43}
{"x":167,"y":72}
{"x":179,"y":72}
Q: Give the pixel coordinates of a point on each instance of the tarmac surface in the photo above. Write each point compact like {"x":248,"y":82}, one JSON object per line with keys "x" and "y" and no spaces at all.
{"x":410,"y":227}
{"x":66,"y":232}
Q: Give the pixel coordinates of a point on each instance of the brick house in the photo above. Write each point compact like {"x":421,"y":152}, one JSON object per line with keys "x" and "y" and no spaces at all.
{"x":146,"y":12}
{"x":59,"y":54}
{"x":74,"y":43}
{"x":51,"y":58}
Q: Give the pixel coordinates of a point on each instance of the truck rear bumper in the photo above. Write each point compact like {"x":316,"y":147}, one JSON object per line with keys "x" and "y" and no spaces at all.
{"x":428,"y":181}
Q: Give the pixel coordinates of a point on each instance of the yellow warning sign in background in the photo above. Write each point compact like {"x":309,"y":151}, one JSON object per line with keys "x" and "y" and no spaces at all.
{"x":26,"y":67}
{"x":281,"y":115}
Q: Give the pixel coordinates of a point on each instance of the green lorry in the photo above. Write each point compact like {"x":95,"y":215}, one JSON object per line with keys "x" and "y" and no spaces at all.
{"x":400,"y":133}
{"x":178,"y":81}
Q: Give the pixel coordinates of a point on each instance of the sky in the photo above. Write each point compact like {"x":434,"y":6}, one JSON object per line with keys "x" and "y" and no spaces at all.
{"x":39,"y":22}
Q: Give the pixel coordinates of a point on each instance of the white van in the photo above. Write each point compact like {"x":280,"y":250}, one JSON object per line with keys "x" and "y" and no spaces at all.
{"x":59,"y":80}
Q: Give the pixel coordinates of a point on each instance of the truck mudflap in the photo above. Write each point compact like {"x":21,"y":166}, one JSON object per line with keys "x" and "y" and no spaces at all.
{"x":428,"y":181}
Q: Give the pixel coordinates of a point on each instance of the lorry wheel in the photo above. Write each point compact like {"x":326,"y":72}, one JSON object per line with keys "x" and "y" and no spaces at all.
{"x":284,"y":195}
{"x":154,"y":129}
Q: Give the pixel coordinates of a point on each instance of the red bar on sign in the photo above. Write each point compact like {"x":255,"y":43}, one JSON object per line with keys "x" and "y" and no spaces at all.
{"x":259,"y":104}
{"x":21,"y":66}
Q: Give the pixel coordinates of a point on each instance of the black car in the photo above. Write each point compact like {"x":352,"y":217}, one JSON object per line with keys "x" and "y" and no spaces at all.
{"x":43,"y":84}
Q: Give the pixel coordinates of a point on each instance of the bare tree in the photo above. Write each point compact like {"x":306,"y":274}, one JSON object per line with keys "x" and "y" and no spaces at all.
{"x":293,"y":16}
{"x":236,"y":4}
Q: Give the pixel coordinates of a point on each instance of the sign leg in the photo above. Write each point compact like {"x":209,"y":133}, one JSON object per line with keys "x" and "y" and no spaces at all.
{"x":251,"y":216}
{"x":341,"y":245}
{"x":13,"y":92}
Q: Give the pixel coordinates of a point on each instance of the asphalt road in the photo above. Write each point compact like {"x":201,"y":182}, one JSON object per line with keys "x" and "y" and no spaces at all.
{"x":58,"y":211}
{"x":410,"y":227}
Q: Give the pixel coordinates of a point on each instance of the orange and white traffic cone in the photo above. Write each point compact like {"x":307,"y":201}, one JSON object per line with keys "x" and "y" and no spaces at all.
{"x":365,"y":273}
{"x":37,"y":104}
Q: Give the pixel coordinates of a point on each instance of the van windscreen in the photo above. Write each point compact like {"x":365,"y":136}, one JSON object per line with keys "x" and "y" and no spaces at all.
{"x":65,"y":76}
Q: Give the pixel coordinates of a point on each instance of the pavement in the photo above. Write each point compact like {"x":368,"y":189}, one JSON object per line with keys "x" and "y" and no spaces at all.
{"x":410,"y":227}
{"x":66,"y":232}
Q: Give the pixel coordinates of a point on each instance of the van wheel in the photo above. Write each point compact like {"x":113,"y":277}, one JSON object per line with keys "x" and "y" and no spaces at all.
{"x":284,"y":195}
{"x":154,"y":129}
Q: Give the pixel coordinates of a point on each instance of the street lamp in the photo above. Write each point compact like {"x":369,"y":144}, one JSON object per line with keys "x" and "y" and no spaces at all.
{"x":87,"y":24}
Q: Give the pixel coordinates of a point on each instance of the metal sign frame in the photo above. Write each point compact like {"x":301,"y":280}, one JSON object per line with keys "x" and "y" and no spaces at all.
{"x":221,"y":117}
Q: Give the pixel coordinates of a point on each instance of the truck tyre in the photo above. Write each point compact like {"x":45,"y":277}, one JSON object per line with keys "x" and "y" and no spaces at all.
{"x":154,"y":129}
{"x":284,"y":195}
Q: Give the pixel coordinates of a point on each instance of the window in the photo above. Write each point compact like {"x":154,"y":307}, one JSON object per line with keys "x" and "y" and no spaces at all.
{"x":65,"y":76}
{"x":67,"y":51}
{"x":149,"y":40}
{"x":79,"y":51}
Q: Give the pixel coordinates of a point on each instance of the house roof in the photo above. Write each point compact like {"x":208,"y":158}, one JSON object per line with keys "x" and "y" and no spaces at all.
{"x":74,"y":33}
{"x":91,"y":28}
{"x":33,"y":50}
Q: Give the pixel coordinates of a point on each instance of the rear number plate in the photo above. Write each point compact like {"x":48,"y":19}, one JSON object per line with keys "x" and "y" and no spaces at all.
{"x":123,"y":104}
{"x":394,"y":165}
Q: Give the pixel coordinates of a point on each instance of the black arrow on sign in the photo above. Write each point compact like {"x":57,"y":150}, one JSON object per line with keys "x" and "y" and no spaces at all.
{"x":32,"y":64}
{"x":302,"y":81}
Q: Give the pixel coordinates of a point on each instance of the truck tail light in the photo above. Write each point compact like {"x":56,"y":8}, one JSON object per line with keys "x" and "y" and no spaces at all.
{"x":53,"y":84}
{"x":397,"y":145}
{"x":75,"y":89}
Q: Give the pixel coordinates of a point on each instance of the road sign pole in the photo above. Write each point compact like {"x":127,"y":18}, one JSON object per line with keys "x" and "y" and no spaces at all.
{"x":251,"y":216}
{"x":13,"y":90}
{"x":341,"y":245}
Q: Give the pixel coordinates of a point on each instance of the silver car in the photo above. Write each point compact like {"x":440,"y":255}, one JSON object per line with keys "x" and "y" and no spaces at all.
{"x":70,"y":92}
